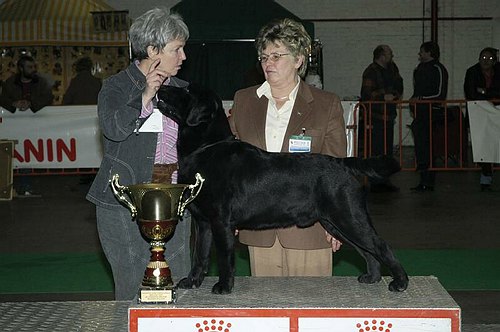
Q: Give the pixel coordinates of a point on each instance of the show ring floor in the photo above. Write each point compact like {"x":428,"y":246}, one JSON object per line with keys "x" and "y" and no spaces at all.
{"x":294,"y":304}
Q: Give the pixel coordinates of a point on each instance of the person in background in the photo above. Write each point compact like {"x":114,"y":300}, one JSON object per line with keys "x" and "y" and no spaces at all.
{"x":382,"y":84}
{"x":125,"y":102}
{"x":83,"y":90}
{"x":271,"y":116}
{"x":313,"y":78}
{"x":482,"y":82}
{"x":84,"y":87}
{"x":430,"y":82}
{"x":25,"y":90}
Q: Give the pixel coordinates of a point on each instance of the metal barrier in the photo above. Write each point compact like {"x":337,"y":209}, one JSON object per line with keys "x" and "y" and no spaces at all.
{"x":449,"y":143}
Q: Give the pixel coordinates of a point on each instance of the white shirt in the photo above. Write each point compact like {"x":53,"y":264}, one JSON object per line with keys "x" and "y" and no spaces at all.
{"x":277,"y":119}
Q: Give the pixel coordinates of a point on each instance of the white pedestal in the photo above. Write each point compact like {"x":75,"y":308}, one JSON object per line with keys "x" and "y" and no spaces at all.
{"x":304,"y":304}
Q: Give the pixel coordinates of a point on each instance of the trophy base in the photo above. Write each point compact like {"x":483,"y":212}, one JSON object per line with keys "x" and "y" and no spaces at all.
{"x":157,"y":295}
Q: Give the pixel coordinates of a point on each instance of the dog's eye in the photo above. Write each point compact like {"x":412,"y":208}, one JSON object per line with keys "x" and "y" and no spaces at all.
{"x":161,"y":104}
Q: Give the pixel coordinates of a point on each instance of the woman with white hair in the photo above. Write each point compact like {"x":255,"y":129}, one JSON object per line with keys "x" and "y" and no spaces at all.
{"x":125,"y":102}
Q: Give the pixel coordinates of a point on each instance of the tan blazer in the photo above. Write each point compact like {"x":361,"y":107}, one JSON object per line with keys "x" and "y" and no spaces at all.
{"x":321,"y":114}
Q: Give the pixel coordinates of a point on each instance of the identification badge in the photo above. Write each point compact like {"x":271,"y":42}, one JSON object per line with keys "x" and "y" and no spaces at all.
{"x":299,"y":143}
{"x":154,"y":123}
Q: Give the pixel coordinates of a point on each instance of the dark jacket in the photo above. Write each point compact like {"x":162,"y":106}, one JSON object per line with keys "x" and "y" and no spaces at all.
{"x":474,"y":79}
{"x":126,"y":152}
{"x":83,"y":90}
{"x":12,"y":90}
{"x":378,"y":81}
{"x":430,"y":81}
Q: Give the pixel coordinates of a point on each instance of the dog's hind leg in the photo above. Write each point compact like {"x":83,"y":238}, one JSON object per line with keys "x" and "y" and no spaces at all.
{"x":350,"y":219}
{"x":224,"y":245}
{"x":380,"y":252}
{"x":399,"y":276}
{"x":201,"y":255}
{"x":375,"y":251}
{"x":372,"y":274}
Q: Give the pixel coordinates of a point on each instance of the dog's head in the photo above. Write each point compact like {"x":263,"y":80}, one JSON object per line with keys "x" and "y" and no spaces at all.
{"x":174,"y":102}
{"x":197,"y":111}
{"x":189,"y":106}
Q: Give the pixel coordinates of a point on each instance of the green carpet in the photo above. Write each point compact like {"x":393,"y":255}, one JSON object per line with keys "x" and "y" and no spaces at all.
{"x":55,"y":273}
{"x":463,"y":269}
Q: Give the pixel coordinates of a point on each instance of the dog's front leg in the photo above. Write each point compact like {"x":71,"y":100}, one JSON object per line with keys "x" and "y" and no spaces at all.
{"x":201,"y":255}
{"x":224,"y":245}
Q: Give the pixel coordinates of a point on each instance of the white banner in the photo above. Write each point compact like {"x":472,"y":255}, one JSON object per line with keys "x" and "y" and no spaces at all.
{"x":224,"y":324}
{"x":484,"y":119}
{"x":351,"y":119}
{"x":54,"y":137}
{"x":388,"y":324}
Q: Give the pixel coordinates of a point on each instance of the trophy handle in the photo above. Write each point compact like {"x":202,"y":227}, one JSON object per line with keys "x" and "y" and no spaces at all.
{"x":198,"y":185}
{"x":119,"y":192}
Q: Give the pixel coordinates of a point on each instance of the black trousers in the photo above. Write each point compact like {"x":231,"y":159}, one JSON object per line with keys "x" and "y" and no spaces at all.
{"x":382,"y":137}
{"x":421,"y":129}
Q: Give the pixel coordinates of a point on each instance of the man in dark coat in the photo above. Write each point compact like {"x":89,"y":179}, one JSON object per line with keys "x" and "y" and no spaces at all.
{"x":430,"y":82}
{"x":84,"y":87}
{"x":482,"y":82}
{"x":382,"y":84}
{"x":25,"y":90}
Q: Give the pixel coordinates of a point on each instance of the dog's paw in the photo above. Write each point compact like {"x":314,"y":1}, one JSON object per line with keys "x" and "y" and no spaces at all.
{"x":369,"y":278}
{"x":222,"y":288}
{"x":188,"y":283}
{"x":398,"y":285}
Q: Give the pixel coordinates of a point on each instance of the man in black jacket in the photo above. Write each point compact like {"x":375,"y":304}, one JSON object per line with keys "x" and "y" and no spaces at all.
{"x":430,"y":82}
{"x":482,"y":82}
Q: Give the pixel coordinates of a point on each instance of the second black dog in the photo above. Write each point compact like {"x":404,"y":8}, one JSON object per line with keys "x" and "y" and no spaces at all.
{"x":248,"y":188}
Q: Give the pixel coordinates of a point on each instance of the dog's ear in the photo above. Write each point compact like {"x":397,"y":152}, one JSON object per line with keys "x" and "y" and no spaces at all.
{"x":204,"y":106}
{"x":199,"y":114}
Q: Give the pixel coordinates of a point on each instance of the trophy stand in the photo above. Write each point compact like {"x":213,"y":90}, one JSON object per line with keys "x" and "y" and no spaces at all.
{"x":157,"y":208}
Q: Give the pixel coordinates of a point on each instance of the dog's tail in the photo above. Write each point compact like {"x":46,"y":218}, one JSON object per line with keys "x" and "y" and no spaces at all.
{"x":380,"y":167}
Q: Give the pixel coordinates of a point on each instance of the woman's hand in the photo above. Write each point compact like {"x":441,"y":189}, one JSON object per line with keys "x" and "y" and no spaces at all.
{"x":336,"y":244}
{"x":154,"y":79}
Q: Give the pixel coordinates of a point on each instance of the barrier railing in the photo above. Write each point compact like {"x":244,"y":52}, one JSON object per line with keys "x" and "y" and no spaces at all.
{"x":449,"y":142}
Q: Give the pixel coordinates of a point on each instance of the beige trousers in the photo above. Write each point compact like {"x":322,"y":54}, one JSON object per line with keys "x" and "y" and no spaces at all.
{"x":277,"y":261}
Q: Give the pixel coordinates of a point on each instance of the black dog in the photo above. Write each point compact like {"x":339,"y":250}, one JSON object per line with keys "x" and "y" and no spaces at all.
{"x":248,"y":188}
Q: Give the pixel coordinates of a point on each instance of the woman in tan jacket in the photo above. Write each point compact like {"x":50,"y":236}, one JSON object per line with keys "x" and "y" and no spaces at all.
{"x":284,"y":114}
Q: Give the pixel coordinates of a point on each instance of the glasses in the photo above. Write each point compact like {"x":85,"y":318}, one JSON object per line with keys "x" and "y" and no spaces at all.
{"x":273,"y":57}
{"x":485,"y":57}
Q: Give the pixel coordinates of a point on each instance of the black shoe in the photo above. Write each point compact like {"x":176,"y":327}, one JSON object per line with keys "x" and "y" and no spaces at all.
{"x":486,"y":187}
{"x":29,"y":194}
{"x":383,"y":188}
{"x":422,"y":187}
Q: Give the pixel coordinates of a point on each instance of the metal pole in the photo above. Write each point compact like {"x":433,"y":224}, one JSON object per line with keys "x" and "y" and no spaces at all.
{"x":434,"y":21}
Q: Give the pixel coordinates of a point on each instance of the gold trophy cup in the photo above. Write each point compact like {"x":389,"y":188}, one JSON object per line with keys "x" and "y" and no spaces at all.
{"x":157,"y":208}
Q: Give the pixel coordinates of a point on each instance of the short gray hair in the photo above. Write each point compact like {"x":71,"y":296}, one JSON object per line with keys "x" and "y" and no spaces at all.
{"x":156,"y":27}
{"x":291,"y":34}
